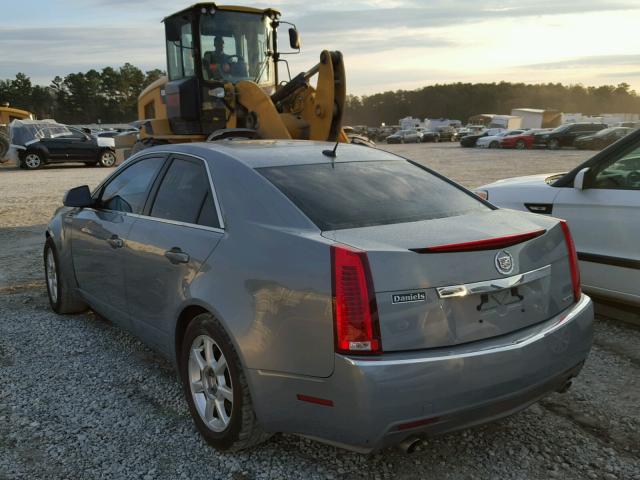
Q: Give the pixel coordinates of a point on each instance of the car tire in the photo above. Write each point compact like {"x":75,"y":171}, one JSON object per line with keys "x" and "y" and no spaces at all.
{"x":32,"y":160}
{"x":62,"y":296}
{"x":554,"y":144}
{"x":232,"y":424}
{"x":521,"y":145}
{"x":107,"y":158}
{"x":494,"y":145}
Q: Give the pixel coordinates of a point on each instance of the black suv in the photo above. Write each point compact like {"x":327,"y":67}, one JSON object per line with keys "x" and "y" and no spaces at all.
{"x":41,"y":143}
{"x":565,"y":135}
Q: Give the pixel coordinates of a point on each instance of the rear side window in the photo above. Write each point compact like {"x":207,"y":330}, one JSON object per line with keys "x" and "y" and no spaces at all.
{"x":184,"y":195}
{"x":360,"y":194}
{"x":127,"y":192}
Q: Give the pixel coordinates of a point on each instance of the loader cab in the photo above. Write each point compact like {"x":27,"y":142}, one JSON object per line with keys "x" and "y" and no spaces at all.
{"x":211,"y":46}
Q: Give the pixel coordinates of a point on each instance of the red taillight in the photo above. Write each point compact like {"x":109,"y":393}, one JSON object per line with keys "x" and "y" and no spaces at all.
{"x":484,"y":244}
{"x":355,"y":312}
{"x":573,"y":260}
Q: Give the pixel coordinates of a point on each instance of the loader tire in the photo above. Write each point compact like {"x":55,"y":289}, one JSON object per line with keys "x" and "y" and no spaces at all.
{"x":4,"y":146}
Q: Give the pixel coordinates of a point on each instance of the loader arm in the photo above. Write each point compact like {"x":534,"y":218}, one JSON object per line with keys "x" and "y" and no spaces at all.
{"x":298,"y":110}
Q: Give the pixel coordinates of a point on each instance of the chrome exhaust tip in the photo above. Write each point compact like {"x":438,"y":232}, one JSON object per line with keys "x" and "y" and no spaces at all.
{"x":410,"y":444}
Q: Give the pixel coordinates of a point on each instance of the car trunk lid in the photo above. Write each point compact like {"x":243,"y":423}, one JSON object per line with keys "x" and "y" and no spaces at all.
{"x":448,"y":281}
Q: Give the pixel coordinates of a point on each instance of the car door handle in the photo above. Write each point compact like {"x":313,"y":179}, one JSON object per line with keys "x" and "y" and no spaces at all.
{"x":176,"y":256}
{"x":115,"y":242}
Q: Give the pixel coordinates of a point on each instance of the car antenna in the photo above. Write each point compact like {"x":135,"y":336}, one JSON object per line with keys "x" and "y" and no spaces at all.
{"x":331,"y":153}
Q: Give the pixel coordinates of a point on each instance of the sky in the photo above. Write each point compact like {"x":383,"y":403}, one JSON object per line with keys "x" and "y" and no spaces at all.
{"x":387,"y":44}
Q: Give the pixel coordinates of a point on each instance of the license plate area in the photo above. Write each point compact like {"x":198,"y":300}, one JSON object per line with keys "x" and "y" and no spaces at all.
{"x":496,"y":307}
{"x":501,"y":298}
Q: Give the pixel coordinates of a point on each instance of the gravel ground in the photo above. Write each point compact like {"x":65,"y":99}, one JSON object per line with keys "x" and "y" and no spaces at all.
{"x":80,"y":398}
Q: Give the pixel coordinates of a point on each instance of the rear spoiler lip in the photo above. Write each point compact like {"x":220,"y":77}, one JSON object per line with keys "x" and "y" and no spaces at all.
{"x":494,"y":243}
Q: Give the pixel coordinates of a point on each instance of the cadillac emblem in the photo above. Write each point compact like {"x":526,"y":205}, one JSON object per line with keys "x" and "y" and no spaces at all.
{"x":504,"y":262}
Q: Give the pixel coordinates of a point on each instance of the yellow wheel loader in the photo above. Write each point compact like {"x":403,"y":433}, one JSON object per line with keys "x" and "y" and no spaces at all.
{"x":223,"y":81}
{"x":8,"y":115}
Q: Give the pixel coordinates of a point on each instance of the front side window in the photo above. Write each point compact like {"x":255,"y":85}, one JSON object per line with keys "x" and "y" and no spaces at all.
{"x":75,"y":134}
{"x":361,"y":194}
{"x":127,"y":192}
{"x":622,"y":174}
{"x":184,"y":195}
{"x":180,"y":49}
{"x":236,"y":46}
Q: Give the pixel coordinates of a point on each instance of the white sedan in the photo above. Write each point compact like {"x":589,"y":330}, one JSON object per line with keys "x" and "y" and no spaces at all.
{"x":493,"y":141}
{"x":600,"y":199}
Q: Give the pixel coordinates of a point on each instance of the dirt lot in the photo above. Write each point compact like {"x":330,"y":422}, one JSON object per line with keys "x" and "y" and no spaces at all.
{"x":80,"y":398}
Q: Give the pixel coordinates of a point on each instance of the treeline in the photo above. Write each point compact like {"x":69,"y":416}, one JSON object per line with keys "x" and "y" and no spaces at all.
{"x":109,"y":95}
{"x":463,"y":100}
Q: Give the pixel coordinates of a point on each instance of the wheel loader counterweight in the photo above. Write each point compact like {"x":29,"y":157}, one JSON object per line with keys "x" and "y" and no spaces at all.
{"x":222,"y":74}
{"x":7,"y":115}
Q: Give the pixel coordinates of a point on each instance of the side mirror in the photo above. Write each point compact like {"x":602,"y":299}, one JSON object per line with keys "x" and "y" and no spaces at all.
{"x":294,"y":39}
{"x":578,"y":181}
{"x":172,"y":30}
{"x":78,"y":197}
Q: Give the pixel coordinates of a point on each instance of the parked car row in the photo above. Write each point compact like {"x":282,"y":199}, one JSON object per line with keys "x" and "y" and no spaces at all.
{"x":594,"y":136}
{"x":420,"y":135}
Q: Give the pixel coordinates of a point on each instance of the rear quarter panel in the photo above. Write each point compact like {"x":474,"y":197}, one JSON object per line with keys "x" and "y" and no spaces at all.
{"x":269,"y":279}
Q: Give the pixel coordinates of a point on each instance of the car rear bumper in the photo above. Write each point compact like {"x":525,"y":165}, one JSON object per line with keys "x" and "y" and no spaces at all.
{"x":380,"y":401}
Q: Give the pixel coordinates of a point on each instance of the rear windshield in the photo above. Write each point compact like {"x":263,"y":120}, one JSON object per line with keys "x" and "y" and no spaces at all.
{"x":361,"y":194}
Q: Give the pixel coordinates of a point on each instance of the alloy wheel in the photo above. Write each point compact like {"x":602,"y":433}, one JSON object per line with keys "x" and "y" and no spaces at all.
{"x":210,"y":383}
{"x":32,"y":160}
{"x":108,"y":159}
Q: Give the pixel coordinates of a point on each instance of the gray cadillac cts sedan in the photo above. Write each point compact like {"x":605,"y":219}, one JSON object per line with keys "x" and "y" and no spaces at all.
{"x":360,"y":300}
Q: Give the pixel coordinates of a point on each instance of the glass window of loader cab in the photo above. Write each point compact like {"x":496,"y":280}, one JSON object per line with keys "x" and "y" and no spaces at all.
{"x":180,"y":52}
{"x":236,"y":46}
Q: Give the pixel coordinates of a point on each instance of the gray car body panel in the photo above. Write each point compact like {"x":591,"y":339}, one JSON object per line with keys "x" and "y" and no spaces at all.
{"x":446,"y":388}
{"x":267,"y":277}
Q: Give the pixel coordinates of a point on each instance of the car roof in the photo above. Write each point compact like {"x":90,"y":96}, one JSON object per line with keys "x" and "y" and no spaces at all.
{"x":271,"y":153}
